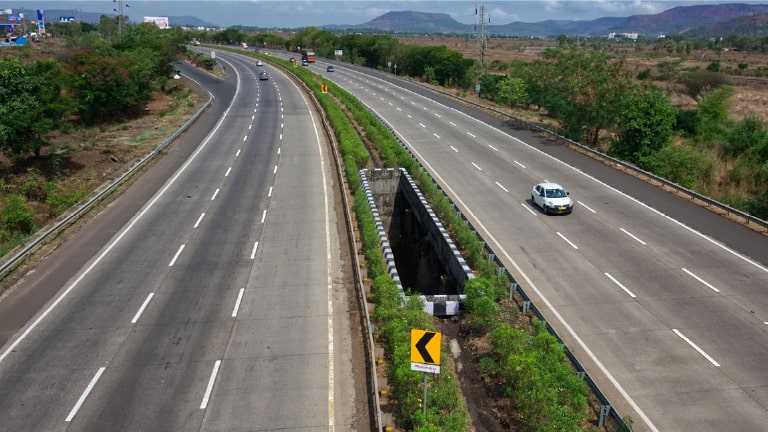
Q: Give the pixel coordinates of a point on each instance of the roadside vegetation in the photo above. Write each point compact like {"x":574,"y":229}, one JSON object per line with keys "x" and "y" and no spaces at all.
{"x":584,"y":90}
{"x":108,"y":72}
{"x":95,"y":80}
{"x":527,"y":361}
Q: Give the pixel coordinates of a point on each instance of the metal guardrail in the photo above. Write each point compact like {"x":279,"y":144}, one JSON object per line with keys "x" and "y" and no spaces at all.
{"x":606,"y":408}
{"x":746,"y":218}
{"x":25,"y":249}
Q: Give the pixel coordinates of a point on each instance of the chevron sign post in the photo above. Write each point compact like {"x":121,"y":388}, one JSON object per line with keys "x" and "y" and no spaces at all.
{"x":425,"y":356}
{"x":425,"y":351}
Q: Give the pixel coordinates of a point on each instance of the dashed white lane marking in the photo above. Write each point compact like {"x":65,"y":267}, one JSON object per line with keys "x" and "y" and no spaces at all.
{"x":211,"y":381}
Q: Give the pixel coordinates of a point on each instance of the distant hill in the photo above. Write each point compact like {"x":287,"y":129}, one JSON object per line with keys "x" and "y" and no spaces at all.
{"x":678,"y":20}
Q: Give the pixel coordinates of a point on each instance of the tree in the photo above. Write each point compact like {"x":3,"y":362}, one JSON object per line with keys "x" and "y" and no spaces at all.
{"x":103,"y":86}
{"x":31,"y":105}
{"x":646,"y":124}
{"x":698,"y":82}
{"x":749,"y":133}
{"x":512,"y":91}
{"x":713,"y":114}
{"x":582,"y":91}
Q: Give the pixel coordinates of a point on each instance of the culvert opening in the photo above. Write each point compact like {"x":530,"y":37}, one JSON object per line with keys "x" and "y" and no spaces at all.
{"x":417,"y":262}
{"x":421,"y":257}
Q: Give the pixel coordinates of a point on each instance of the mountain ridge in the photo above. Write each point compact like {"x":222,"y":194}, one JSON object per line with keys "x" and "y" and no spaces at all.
{"x":677,"y":20}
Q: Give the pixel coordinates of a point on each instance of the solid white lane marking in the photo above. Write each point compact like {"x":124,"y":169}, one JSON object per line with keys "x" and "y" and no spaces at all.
{"x":632,"y":235}
{"x":211,"y":381}
{"x":237,"y":302}
{"x":199,"y":219}
{"x":175,"y":257}
{"x":626,"y":290}
{"x":696,"y":347}
{"x":253,"y":251}
{"x":85,"y":394}
{"x":586,"y":206}
{"x":329,"y":281}
{"x":487,"y":234}
{"x":12,"y":347}
{"x":566,"y":240}
{"x":502,"y":187}
{"x":701,"y":280}
{"x":141,"y":309}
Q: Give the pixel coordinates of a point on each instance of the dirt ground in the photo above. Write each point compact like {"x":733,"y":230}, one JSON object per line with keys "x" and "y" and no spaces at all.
{"x":749,"y":100}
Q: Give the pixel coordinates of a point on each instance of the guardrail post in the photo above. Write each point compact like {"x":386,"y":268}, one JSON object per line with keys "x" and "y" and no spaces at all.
{"x":502,"y":270}
{"x":526,"y":306}
{"x":604,"y":411}
{"x":491,"y":257}
{"x":512,"y":289}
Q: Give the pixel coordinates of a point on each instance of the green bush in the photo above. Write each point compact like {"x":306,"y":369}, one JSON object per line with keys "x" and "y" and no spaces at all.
{"x":17,"y":215}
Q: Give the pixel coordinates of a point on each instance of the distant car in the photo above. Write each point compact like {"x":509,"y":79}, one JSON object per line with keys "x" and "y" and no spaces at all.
{"x":552,"y":198}
{"x":304,"y":63}
{"x":263,"y":76}
{"x":330,"y":68}
{"x":259,"y":63}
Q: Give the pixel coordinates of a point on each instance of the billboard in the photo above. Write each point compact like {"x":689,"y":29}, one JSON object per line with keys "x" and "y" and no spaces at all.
{"x":160,"y":22}
{"x":40,"y":22}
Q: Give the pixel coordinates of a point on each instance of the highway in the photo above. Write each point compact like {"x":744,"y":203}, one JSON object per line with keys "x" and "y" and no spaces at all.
{"x":665,"y":303}
{"x":209,"y":296}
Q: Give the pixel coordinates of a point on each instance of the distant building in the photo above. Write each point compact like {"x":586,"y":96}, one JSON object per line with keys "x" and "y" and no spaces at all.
{"x":632,"y":36}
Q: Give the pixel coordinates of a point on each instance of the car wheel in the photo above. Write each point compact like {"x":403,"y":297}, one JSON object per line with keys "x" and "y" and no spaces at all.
{"x":533,"y":201}
{"x":546,"y":212}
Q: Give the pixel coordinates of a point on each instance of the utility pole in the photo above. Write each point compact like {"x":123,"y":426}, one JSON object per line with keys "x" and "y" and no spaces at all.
{"x":120,"y":17}
{"x":482,"y":42}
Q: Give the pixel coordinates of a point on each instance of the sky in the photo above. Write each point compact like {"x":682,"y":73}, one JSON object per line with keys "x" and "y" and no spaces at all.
{"x":298,"y":14}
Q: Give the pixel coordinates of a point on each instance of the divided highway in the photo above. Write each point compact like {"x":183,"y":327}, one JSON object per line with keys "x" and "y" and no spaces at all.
{"x":671,"y":321}
{"x":205,"y":298}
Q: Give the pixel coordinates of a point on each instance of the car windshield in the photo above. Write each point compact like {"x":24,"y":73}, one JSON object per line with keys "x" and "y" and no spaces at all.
{"x":555,"y":193}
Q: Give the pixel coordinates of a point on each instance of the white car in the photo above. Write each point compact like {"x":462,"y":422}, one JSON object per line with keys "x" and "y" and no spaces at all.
{"x":259,"y":63}
{"x":552,"y":198}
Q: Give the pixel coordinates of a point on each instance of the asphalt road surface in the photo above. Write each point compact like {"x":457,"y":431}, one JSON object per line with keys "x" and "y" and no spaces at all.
{"x":206,"y":297}
{"x":665,"y":303}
